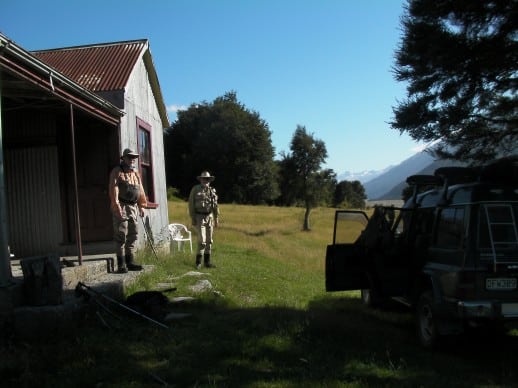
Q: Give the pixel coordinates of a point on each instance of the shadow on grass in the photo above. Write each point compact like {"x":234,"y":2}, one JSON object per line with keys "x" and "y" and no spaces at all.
{"x":246,"y":232}
{"x":334,"y":342}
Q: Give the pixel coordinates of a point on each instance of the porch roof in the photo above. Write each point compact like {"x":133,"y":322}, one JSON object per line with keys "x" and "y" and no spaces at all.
{"x":25,"y":78}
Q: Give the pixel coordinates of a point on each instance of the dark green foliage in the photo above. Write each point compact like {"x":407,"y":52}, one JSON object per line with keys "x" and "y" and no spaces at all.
{"x":288,"y":182}
{"x":303,"y":179}
{"x":350,"y":195}
{"x":460,"y":62}
{"x":230,"y":142}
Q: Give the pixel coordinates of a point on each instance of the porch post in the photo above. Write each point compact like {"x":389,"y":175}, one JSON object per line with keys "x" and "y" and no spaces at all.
{"x":5,"y":260}
{"x":76,"y":190}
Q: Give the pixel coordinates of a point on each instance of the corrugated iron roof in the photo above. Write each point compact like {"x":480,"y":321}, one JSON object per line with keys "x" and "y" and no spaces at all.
{"x":100,"y":67}
{"x":17,"y":64}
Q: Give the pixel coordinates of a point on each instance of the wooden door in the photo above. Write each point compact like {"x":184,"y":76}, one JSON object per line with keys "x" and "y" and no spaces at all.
{"x":93,"y":167}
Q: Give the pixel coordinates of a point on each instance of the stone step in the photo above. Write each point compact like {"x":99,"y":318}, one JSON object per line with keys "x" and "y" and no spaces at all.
{"x":92,"y":267}
{"x":95,"y":276}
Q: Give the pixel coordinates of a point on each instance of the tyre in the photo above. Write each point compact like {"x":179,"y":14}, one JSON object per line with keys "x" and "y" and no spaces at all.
{"x":426,"y":321}
{"x":371,"y":297}
{"x":365,"y":296}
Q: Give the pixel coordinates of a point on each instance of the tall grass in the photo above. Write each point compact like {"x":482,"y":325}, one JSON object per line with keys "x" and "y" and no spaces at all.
{"x":274,"y":232}
{"x":266,"y":322}
{"x":265,"y":253}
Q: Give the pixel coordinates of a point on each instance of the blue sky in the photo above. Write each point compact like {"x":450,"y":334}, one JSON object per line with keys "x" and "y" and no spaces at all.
{"x":323,"y":64}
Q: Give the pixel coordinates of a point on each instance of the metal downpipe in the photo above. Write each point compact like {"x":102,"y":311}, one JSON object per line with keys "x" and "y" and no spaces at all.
{"x":76,"y":191}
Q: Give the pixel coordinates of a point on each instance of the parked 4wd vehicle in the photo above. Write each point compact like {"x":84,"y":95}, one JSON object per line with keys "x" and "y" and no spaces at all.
{"x":450,"y":253}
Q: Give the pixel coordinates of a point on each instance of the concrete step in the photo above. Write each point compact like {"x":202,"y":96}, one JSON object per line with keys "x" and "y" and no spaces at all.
{"x":92,"y":266}
{"x":95,"y":275}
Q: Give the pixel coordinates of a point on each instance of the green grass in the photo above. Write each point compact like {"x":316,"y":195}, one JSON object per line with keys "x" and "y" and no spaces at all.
{"x":268,"y":322}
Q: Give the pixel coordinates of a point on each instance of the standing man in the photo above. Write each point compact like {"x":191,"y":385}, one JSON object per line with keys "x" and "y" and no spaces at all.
{"x":128,"y":199}
{"x":203,"y":208}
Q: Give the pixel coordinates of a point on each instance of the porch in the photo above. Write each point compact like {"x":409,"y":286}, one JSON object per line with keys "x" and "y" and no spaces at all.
{"x":28,"y":319}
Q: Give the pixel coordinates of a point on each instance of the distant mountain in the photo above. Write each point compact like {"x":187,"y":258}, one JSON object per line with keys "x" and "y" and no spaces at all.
{"x":388,"y":184}
{"x":395,"y":192}
{"x":363,"y":176}
{"x":384,"y":183}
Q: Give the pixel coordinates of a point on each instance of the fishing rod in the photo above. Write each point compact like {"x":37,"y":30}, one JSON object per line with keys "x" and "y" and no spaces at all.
{"x":149,"y":238}
{"x":82,"y":288}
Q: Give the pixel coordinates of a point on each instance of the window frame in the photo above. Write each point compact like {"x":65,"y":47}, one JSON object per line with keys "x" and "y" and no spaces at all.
{"x":449,"y":229}
{"x":145,"y":161}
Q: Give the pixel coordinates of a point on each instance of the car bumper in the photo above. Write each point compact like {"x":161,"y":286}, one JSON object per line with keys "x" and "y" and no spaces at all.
{"x":487,"y":309}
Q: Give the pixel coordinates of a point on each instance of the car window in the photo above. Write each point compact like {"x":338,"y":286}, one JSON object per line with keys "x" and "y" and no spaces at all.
{"x":450,"y":228}
{"x":348,"y":226}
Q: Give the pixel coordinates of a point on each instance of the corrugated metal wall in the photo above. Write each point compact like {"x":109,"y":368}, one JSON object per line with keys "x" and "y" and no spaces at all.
{"x":140,"y":102}
{"x":33,"y":200}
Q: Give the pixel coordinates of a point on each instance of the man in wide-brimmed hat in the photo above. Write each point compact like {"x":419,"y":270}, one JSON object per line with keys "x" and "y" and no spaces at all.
{"x":203,"y":208}
{"x":128,"y":200}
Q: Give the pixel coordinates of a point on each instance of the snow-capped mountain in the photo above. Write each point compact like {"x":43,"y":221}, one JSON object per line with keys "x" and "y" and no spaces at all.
{"x":389,"y":183}
{"x":363,"y":176}
{"x":384,"y":183}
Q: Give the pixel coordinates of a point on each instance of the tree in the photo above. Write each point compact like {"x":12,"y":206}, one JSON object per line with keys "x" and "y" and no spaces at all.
{"x":231,"y":142}
{"x":460,"y":60}
{"x":349,"y":194}
{"x":308,"y":182}
{"x":288,"y":181}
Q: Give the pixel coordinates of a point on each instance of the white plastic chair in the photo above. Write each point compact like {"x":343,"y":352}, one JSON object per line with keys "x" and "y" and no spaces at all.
{"x":179,"y":234}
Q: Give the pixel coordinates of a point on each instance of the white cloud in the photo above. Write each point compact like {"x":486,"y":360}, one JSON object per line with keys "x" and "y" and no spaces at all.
{"x":175,"y":108}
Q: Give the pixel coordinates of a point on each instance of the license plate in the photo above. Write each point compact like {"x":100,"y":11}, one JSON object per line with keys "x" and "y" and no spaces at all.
{"x":501,"y":284}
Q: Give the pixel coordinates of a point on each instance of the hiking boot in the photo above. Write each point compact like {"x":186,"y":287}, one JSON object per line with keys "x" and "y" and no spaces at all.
{"x":121,"y":265}
{"x":198,"y":261}
{"x":206,"y":261}
{"x":198,"y":265}
{"x":130,"y":263}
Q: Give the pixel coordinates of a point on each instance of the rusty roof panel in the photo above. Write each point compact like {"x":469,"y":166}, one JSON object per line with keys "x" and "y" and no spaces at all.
{"x":100,"y":67}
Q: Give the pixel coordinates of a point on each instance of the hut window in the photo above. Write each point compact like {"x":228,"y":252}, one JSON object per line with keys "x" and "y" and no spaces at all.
{"x":146,"y":158}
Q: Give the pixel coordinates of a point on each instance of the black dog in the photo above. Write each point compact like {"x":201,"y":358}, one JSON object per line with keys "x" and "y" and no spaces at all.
{"x":150,"y":303}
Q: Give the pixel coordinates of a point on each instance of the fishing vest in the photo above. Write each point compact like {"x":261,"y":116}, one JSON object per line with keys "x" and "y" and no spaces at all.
{"x":205,"y":200}
{"x":129,"y":186}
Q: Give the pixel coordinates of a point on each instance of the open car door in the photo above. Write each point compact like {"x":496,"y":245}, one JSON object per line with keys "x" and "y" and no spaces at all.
{"x":346,"y":263}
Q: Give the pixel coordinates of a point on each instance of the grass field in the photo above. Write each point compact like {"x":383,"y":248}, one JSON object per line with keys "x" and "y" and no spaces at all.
{"x":267,"y":322}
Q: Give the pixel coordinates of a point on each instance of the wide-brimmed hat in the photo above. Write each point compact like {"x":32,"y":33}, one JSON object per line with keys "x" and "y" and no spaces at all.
{"x":129,"y":152}
{"x":206,"y":175}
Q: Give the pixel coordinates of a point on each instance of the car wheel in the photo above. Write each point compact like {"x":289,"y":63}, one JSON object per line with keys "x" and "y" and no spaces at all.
{"x":425,"y":320}
{"x":366,"y":297}
{"x":371,"y":297}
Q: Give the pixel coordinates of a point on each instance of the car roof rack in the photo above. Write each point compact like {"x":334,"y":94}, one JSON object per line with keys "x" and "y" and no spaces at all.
{"x":424,"y":180}
{"x":419,"y":181}
{"x":503,"y":170}
{"x":457,"y":175}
